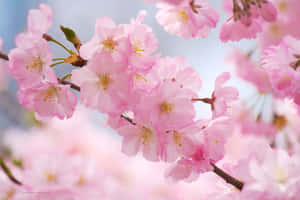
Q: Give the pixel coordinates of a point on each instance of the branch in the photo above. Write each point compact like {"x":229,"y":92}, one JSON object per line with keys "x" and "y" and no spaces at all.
{"x":128,"y":119}
{"x":3,"y":56}
{"x":72,"y":85}
{"x":229,"y":179}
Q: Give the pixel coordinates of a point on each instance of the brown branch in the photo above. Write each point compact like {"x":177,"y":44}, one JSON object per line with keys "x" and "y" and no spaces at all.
{"x":72,"y":85}
{"x":128,"y":119}
{"x":229,"y":179}
{"x":3,"y":56}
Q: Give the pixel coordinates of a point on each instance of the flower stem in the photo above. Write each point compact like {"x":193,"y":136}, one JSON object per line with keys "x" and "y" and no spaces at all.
{"x":8,"y":173}
{"x":57,"y":63}
{"x":57,"y":59}
{"x":51,"y":39}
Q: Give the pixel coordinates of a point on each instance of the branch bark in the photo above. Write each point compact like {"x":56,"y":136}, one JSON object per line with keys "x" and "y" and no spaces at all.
{"x":229,"y":179}
{"x":3,"y":56}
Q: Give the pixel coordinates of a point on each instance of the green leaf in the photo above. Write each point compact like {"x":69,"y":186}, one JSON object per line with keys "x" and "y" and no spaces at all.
{"x":71,"y":36}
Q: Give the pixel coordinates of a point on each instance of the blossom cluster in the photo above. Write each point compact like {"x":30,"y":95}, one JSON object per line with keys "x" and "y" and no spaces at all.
{"x":149,"y":100}
{"x":73,"y":161}
{"x":30,"y":64}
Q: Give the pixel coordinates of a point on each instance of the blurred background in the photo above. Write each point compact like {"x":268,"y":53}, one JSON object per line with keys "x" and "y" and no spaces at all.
{"x":206,"y":55}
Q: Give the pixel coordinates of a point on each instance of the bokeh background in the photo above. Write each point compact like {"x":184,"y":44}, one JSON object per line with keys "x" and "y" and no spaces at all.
{"x":206,"y":55}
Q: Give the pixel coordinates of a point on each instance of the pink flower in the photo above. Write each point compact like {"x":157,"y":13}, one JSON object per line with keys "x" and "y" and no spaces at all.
{"x":39,"y":20}
{"x":188,"y":169}
{"x":49,"y":99}
{"x":236,"y":31}
{"x":215,"y":138}
{"x":140,"y":137}
{"x":188,"y":19}
{"x":143,"y":45}
{"x":246,"y":20}
{"x":167,"y":106}
{"x":176,"y":69}
{"x":268,"y":11}
{"x":223,"y":96}
{"x":30,"y":64}
{"x":104,"y":84}
{"x":107,"y":38}
{"x":286,"y":23}
{"x":181,"y":142}
{"x":281,"y":62}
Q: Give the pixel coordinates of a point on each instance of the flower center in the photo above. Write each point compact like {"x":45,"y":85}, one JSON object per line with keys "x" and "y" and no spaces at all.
{"x":282,"y":6}
{"x":274,"y":29}
{"x":50,"y":94}
{"x":138,"y":47}
{"x":279,"y":122}
{"x":9,"y":194}
{"x":280,"y":176}
{"x":50,"y":177}
{"x":104,"y":81}
{"x":177,"y":138}
{"x":166,"y":107}
{"x":109,"y":44}
{"x":146,"y":134}
{"x":182,"y":16}
{"x":81,"y":181}
{"x":36,"y":65}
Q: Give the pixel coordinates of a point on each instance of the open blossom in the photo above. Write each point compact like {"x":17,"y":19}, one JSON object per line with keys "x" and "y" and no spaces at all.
{"x":247,"y":18}
{"x":167,"y":106}
{"x":189,"y":168}
{"x":181,"y":142}
{"x":223,"y":96}
{"x":286,"y":23}
{"x":108,"y":38}
{"x":175,"y":69}
{"x":250,"y":71}
{"x":282,"y":62}
{"x":215,"y":137}
{"x":30,"y":64}
{"x":143,"y":44}
{"x":39,"y":20}
{"x":189,"y":19}
{"x":49,"y":99}
{"x":104,"y":84}
{"x":141,"y":137}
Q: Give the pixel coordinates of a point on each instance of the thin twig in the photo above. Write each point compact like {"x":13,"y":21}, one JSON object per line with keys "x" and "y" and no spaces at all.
{"x":72,"y":85}
{"x":229,"y":179}
{"x":3,"y":56}
{"x":128,"y":119}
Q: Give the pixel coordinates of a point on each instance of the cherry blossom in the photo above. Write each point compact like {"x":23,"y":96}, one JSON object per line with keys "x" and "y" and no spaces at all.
{"x":107,"y":38}
{"x":189,"y":19}
{"x":49,"y":99}
{"x":30,"y":65}
{"x":103,"y":85}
